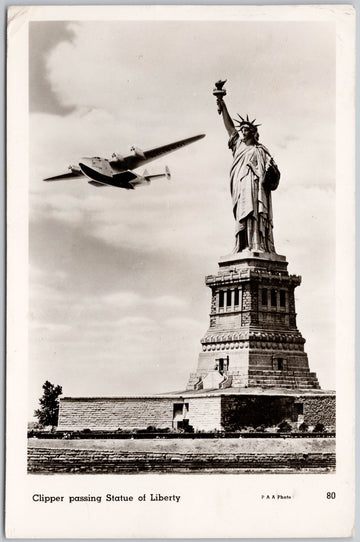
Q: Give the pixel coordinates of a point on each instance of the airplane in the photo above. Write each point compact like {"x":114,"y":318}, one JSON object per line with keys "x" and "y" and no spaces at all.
{"x":118,"y":171}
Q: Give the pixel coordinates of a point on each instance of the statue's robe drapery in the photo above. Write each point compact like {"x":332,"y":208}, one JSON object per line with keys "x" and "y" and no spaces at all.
{"x":251,"y":195}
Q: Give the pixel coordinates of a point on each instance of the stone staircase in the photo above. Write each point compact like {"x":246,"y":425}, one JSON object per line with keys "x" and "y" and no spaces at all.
{"x":227,"y":382}
{"x":194,"y":382}
{"x":300,"y":379}
{"x":263,"y":377}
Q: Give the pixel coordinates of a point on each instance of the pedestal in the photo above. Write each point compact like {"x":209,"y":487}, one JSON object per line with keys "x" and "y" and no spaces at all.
{"x":252,"y":339}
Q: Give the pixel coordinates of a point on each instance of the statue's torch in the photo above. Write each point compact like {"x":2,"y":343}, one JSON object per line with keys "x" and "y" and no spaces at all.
{"x":219,"y":92}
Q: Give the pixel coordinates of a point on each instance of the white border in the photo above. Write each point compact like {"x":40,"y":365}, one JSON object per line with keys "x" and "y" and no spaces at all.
{"x":208,"y":501}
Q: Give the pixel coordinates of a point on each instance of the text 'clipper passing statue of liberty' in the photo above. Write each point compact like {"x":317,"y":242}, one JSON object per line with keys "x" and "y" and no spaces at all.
{"x":253,"y":176}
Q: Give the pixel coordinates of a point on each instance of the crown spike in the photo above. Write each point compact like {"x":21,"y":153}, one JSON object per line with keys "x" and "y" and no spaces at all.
{"x":244,"y":121}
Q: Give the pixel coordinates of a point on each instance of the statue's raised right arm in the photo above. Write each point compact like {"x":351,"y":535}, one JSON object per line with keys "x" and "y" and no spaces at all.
{"x":229,"y":124}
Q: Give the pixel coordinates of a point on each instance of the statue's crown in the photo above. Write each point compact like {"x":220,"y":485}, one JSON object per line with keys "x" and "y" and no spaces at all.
{"x":245,"y":122}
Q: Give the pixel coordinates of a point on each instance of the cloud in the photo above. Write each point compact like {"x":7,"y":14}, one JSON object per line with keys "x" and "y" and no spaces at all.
{"x":135,"y":321}
{"x":47,"y":328}
{"x":283,"y":55}
{"x":43,"y":37}
{"x":122,"y":299}
{"x":182,"y":323}
{"x":169,"y":301}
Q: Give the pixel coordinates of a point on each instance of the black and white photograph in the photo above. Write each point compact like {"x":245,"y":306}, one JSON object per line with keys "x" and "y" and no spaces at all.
{"x":180,"y":271}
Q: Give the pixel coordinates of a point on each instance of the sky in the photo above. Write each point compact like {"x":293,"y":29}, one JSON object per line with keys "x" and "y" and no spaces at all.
{"x":118,"y":302}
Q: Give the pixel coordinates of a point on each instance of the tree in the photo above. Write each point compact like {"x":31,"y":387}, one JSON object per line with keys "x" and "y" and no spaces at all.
{"x":49,"y":410}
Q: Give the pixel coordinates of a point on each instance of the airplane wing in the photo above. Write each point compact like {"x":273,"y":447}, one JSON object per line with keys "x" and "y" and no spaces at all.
{"x":71,"y":175}
{"x":142,"y":157}
{"x":165,"y":149}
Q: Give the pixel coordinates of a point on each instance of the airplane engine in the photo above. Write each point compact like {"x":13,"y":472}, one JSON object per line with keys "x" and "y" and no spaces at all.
{"x":118,"y":156}
{"x":138,"y":152}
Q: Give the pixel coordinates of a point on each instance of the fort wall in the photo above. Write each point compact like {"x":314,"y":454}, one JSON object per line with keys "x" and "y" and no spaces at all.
{"x":204,"y":412}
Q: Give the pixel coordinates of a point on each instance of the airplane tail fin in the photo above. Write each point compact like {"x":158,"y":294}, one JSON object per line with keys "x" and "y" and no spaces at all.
{"x":166,"y":174}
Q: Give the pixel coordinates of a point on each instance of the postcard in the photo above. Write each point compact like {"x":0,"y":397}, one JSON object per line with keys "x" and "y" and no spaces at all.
{"x":180,"y":271}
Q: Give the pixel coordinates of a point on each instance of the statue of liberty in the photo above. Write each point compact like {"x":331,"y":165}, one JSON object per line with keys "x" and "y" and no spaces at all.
{"x":253,"y":176}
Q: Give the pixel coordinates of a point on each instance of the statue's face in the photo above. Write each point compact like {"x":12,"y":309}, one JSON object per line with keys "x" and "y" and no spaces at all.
{"x":247,"y":133}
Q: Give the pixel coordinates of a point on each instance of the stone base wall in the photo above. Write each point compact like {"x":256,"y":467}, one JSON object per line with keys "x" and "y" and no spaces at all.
{"x":114,"y":413}
{"x":238,"y":411}
{"x":49,"y":460}
{"x":228,"y":412}
{"x":320,"y":409}
{"x":205,"y":413}
{"x":251,"y":411}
